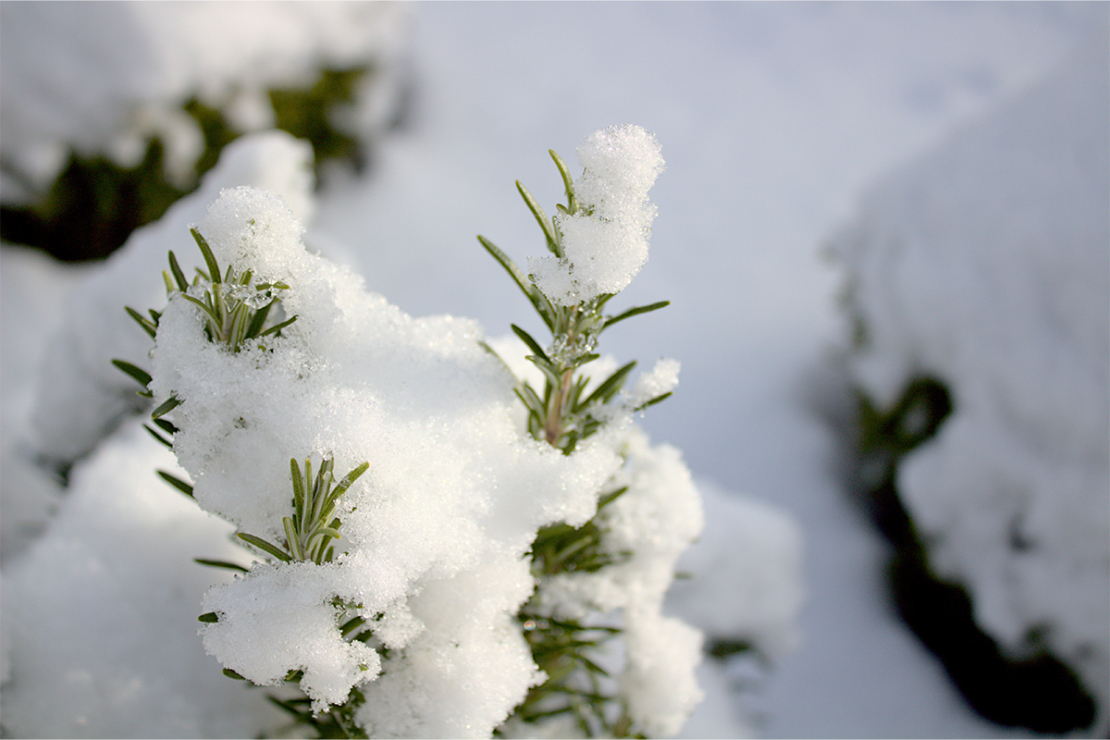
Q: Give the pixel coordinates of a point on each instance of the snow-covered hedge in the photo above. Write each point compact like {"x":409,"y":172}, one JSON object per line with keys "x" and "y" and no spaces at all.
{"x":985,"y":266}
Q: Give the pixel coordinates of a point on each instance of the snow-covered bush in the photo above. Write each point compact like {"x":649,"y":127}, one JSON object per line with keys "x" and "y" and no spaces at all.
{"x":497,"y":542}
{"x":134,"y":102}
{"x":413,"y":621}
{"x":980,"y":280}
{"x":471,"y":498}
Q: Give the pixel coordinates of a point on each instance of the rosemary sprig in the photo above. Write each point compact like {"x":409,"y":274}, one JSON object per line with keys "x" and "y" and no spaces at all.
{"x":234,"y":310}
{"x":562,"y":414}
{"x":312,"y":527}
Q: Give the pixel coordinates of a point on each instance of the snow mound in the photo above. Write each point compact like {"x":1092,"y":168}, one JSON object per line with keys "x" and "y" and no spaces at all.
{"x":986,"y":265}
{"x":99,"y":615}
{"x":80,"y":394}
{"x":117,"y":74}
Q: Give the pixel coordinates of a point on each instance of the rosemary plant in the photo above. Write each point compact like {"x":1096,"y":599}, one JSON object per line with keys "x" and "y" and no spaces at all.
{"x":565,"y":406}
{"x":309,"y":533}
{"x":235,"y":311}
{"x":313,"y":526}
{"x":562,"y":414}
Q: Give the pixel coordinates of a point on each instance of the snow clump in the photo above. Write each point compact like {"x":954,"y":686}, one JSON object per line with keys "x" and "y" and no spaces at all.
{"x":605,"y":242}
{"x":80,"y":394}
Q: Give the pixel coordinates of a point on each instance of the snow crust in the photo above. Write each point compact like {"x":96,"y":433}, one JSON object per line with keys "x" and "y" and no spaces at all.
{"x":150,"y":59}
{"x":605,"y":243}
{"x":986,"y":265}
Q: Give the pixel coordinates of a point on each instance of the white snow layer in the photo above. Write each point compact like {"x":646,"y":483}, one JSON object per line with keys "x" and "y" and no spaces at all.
{"x":99,"y":615}
{"x":986,"y":264}
{"x":605,"y":241}
{"x":110,"y":91}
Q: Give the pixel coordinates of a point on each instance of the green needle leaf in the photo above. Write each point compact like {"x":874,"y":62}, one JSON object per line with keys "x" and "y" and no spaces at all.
{"x":610,"y":497}
{"x":298,"y":489}
{"x":177,"y":483}
{"x":568,"y":181}
{"x":159,"y":437}
{"x":166,"y":426}
{"x":653,"y":401}
{"x":277,"y":327}
{"x":135,"y":372}
{"x":533,"y":345}
{"x":221,"y":564}
{"x":262,"y":544}
{"x":213,"y":313}
{"x":144,"y":322}
{"x":541,"y":217}
{"x":633,"y":312}
{"x":170,"y":404}
{"x":538,"y":300}
{"x":612,"y":384}
{"x":258,"y":321}
{"x":350,"y":478}
{"x":351,"y":625}
{"x":209,"y":257}
{"x":178,"y":275}
{"x":291,"y":537}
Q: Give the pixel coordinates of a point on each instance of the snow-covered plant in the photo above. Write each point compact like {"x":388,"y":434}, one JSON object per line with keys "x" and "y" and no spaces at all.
{"x":978,"y":281}
{"x":598,"y":242}
{"x":497,"y":555}
{"x":152,"y":120}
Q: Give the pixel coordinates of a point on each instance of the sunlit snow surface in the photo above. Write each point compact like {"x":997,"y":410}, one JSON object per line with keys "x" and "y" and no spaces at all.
{"x":773,"y":119}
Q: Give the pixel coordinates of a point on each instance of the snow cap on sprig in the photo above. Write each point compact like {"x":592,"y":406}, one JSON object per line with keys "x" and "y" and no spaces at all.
{"x":604,"y":239}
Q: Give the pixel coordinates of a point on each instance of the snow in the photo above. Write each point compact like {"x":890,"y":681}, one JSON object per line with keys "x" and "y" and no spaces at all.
{"x":123,"y":595}
{"x":80,"y":394}
{"x":605,"y":239}
{"x":987,"y":265}
{"x":225,"y":54}
{"x":774,"y":117}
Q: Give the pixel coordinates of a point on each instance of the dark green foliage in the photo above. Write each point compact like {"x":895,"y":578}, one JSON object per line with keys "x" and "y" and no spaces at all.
{"x":566,"y":649}
{"x":574,"y":685}
{"x":305,"y":113}
{"x":1039,"y":693}
{"x":339,"y":722}
{"x":560,"y":548}
{"x":722,"y":649}
{"x":94,"y":204}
